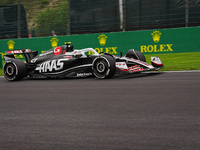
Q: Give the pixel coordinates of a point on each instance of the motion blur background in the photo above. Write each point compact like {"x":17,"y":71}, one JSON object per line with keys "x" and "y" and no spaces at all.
{"x":39,"y":18}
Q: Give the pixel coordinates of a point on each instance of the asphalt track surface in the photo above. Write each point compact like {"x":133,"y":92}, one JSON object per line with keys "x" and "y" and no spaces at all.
{"x":149,"y":111}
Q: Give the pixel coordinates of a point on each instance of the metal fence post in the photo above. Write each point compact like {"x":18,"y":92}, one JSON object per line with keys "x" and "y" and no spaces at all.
{"x":121,"y":14}
{"x":186,"y":13}
{"x":68,"y":19}
{"x":19,"y":19}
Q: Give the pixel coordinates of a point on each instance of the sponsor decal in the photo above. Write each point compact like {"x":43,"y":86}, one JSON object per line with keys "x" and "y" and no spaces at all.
{"x":50,"y":66}
{"x":156,"y":48}
{"x":15,"y":51}
{"x":16,"y":56}
{"x":11,"y":44}
{"x":57,"y":50}
{"x":102,"y":41}
{"x":110,"y":50}
{"x":83,"y":74}
{"x":54,"y":42}
{"x":156,"y":36}
{"x":18,"y":51}
{"x":121,"y":65}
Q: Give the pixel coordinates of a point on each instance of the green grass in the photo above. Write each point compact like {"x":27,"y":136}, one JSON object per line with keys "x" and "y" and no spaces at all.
{"x":1,"y":72}
{"x":174,"y":62}
{"x":178,"y":61}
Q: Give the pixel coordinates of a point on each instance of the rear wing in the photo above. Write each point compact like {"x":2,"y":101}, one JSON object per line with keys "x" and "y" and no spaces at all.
{"x":20,"y":51}
{"x":28,"y":54}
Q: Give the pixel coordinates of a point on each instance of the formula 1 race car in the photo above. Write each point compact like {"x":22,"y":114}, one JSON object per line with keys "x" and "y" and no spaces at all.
{"x":64,"y":62}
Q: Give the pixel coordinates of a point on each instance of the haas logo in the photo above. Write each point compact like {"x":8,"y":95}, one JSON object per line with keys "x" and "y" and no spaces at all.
{"x":57,"y":50}
{"x":51,"y":66}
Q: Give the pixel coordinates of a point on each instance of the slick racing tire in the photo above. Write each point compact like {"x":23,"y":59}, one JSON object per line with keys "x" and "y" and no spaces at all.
{"x":104,"y":66}
{"x":135,"y":55}
{"x":14,"y":70}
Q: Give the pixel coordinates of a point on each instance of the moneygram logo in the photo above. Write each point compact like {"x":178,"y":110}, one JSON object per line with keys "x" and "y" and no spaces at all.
{"x":156,"y":35}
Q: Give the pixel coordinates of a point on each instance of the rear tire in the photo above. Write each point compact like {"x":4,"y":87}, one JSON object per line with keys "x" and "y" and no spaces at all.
{"x":14,"y":70}
{"x":104,"y":66}
{"x":135,"y":55}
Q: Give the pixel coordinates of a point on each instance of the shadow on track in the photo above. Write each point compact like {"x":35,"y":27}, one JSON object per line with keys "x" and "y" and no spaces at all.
{"x":116,"y":76}
{"x":137,"y":75}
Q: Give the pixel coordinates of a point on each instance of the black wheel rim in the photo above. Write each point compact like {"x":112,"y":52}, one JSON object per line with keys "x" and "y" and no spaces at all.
{"x":101,"y":67}
{"x":10,"y":71}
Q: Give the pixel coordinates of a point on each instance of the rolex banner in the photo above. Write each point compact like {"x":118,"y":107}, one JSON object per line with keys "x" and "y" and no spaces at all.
{"x":180,"y":40}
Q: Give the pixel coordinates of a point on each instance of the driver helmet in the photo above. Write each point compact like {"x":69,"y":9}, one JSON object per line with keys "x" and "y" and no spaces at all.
{"x":69,"y":47}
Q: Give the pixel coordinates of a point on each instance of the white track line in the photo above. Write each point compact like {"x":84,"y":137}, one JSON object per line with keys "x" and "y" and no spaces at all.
{"x":182,"y":71}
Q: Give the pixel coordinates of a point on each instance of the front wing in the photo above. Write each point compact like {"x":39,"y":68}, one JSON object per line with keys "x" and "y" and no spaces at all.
{"x":130,"y":65}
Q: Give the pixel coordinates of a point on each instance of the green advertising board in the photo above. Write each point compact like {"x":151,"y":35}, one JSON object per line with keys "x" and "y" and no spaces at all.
{"x":148,"y":42}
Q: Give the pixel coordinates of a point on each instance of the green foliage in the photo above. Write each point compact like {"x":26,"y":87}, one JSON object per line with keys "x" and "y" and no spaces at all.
{"x":1,"y":72}
{"x":45,"y":2}
{"x":44,"y":16}
{"x":52,"y":18}
{"x":6,"y":2}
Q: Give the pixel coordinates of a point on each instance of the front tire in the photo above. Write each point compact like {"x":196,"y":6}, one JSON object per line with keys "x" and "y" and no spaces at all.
{"x":135,"y":55}
{"x":14,"y":70}
{"x":104,"y":66}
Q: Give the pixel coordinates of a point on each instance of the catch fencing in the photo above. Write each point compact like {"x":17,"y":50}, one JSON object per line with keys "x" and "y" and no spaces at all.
{"x":88,"y":16}
{"x":68,"y":17}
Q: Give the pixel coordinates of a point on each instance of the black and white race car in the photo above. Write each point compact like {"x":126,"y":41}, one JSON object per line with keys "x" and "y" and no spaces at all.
{"x":64,"y":62}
